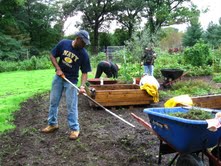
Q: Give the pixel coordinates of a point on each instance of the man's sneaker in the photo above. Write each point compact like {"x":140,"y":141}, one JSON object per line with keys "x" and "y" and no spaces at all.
{"x":49,"y":129}
{"x":74,"y":135}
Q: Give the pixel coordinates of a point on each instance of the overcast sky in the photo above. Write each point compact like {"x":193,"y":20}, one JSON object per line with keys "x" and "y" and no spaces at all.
{"x":213,"y":14}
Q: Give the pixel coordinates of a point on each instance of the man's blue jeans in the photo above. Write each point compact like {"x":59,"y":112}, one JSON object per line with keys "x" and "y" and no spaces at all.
{"x":148,"y":69}
{"x":58,"y":86}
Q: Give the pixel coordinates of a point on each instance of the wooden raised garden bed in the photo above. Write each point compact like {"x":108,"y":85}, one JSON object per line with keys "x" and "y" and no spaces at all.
{"x":210,"y":101}
{"x":119,"y":95}
{"x":97,"y":81}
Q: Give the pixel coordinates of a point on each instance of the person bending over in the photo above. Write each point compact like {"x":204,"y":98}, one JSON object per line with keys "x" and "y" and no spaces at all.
{"x":109,"y":68}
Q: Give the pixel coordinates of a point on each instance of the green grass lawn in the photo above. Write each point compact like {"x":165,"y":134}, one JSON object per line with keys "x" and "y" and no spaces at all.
{"x":17,"y":87}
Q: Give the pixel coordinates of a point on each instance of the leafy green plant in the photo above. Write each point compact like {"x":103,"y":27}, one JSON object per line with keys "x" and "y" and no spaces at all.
{"x":95,"y":59}
{"x":129,"y":71}
{"x":193,"y":88}
{"x":199,"y":70}
{"x":193,"y":114}
{"x":198,"y":55}
{"x":33,"y":63}
{"x":216,"y":54}
{"x":217,"y":77}
{"x":8,"y":66}
{"x":11,"y":49}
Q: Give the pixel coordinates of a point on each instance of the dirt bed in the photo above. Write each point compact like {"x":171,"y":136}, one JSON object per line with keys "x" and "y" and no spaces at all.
{"x":104,"y":139}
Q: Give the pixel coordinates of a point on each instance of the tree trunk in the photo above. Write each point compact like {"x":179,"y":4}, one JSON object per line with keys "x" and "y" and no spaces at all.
{"x":96,"y":35}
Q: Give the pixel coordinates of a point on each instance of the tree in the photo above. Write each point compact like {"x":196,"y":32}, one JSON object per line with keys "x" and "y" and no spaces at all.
{"x":168,"y":12}
{"x":193,"y":34}
{"x":170,"y":38}
{"x":33,"y":23}
{"x":119,"y":37}
{"x":8,"y":22}
{"x":213,"y":35}
{"x":128,"y":14}
{"x":104,"y":39}
{"x":95,"y":12}
{"x":40,"y":17}
{"x":11,"y":34}
{"x":11,"y":49}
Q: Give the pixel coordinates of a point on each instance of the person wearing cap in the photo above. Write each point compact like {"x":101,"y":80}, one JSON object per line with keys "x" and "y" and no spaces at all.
{"x":72,"y":57}
{"x":109,"y":68}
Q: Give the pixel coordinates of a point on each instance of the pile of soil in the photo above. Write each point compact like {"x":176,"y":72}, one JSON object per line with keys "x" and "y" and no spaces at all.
{"x":104,"y":140}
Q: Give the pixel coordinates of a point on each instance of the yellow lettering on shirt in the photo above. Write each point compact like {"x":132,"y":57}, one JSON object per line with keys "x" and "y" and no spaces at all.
{"x":65,"y":52}
{"x":70,"y":55}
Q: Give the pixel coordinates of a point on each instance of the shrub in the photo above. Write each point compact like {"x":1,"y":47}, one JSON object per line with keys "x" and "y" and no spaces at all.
{"x":198,"y":55}
{"x":11,"y":49}
{"x":193,"y":88}
{"x":216,"y":54}
{"x":217,"y":77}
{"x":6,"y":66}
{"x":95,"y":59}
{"x":129,"y":71}
{"x":31,"y":64}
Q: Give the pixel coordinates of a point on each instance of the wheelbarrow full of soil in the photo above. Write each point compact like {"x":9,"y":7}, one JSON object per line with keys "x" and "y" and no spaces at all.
{"x":180,"y":135}
{"x":170,"y":76}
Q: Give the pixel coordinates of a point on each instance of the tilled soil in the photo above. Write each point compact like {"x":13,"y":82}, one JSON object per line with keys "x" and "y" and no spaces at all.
{"x":104,"y":139}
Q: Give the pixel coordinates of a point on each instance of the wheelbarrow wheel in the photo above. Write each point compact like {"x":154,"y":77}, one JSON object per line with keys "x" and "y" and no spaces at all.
{"x":189,"y":159}
{"x":217,"y":153}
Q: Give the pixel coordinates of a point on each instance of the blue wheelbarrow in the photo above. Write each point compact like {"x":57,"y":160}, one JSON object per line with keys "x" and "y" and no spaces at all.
{"x":182,"y":136}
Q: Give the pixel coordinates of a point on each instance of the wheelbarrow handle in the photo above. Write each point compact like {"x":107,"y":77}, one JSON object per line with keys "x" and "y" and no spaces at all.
{"x":145,"y":124}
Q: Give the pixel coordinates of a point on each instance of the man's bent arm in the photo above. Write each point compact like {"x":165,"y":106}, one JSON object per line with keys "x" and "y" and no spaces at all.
{"x":83,"y":79}
{"x":55,"y":64}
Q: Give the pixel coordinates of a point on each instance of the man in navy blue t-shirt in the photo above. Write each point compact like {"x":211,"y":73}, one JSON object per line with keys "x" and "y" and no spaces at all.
{"x":72,"y":57}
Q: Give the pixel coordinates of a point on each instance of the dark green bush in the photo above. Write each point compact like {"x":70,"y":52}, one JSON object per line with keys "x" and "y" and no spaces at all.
{"x":6,"y":66}
{"x":11,"y":49}
{"x":217,"y":77}
{"x":217,"y":60}
{"x":97,"y":58}
{"x":198,"y":55}
{"x":31,"y":64}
